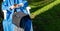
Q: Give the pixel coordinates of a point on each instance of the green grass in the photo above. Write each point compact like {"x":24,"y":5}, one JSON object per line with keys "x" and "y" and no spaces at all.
{"x":45,"y":8}
{"x":48,"y":21}
{"x":47,"y":18}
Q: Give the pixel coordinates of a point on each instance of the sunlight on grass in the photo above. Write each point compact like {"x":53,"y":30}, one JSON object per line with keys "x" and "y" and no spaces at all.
{"x":45,"y":8}
{"x":40,"y":3}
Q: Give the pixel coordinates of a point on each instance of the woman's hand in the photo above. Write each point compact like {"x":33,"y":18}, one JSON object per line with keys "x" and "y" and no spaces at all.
{"x":15,"y":6}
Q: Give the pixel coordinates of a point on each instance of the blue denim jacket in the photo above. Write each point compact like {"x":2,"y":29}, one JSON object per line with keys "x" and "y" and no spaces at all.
{"x":7,"y":23}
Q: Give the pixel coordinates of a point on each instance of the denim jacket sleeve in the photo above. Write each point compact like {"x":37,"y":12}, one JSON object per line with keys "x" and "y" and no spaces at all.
{"x":5,"y":5}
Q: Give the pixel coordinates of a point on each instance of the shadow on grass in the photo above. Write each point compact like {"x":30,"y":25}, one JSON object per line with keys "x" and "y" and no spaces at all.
{"x":32,"y":1}
{"x":1,"y":17}
{"x":41,"y":6}
{"x":48,"y":21}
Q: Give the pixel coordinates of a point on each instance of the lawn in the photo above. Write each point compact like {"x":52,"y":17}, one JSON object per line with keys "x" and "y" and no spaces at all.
{"x":47,"y":18}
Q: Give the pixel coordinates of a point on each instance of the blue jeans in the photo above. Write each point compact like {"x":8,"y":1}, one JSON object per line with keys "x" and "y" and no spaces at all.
{"x":26,"y":23}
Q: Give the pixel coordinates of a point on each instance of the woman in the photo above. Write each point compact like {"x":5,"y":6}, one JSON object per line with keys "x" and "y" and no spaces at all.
{"x":8,"y":7}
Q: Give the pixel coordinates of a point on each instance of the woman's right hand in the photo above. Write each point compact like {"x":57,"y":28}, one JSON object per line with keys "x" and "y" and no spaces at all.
{"x":14,"y":6}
